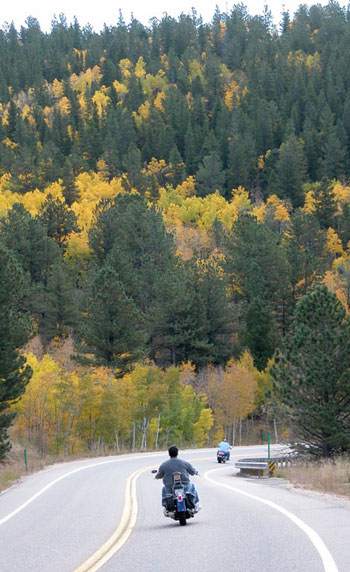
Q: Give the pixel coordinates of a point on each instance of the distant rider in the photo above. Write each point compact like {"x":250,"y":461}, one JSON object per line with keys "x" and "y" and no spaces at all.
{"x":225,"y":447}
{"x":176,"y":465}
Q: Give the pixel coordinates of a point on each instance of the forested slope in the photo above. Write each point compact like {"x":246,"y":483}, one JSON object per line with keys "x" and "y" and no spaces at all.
{"x":170,"y":193}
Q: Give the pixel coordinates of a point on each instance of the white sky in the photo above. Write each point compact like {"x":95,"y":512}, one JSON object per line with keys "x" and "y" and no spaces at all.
{"x":100,"y":12}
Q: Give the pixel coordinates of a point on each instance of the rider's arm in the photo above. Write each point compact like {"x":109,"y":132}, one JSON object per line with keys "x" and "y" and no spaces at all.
{"x":191,"y":470}
{"x":160,"y":473}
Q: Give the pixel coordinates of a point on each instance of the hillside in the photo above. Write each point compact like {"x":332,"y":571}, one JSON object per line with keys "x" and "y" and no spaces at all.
{"x":168,"y":194}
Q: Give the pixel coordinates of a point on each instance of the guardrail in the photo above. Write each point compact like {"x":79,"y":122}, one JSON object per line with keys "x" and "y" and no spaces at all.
{"x":261,"y":466}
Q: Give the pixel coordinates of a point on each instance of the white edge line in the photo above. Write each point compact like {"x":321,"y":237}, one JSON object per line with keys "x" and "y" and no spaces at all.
{"x":54,"y":482}
{"x":327,"y":559}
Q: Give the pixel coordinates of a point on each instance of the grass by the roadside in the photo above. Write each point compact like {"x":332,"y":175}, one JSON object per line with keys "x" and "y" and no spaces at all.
{"x":332,"y":477}
{"x":326,"y":476}
{"x":14,"y":467}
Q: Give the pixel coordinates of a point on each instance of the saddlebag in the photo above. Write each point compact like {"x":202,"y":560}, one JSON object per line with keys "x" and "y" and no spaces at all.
{"x":190,"y":500}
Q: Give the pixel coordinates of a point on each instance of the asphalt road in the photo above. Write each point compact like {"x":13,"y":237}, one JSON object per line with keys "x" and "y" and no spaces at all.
{"x":105,"y":514}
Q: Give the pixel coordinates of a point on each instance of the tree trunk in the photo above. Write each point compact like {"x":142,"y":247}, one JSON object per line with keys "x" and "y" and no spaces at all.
{"x":157,"y":434}
{"x":275,"y":429}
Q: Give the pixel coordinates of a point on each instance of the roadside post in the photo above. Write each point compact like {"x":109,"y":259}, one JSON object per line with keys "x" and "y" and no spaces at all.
{"x":271,"y":464}
{"x":25,"y":459}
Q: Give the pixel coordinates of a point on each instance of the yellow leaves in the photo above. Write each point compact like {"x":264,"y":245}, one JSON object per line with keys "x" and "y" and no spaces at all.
{"x":153,"y":84}
{"x":78,"y":247}
{"x":63,"y":106}
{"x":158,"y":101}
{"x":334,"y":244}
{"x":120,"y":88}
{"x":341,"y":194}
{"x":310,"y":203}
{"x":261,"y":162}
{"x":11,"y":144}
{"x":142,"y":114}
{"x":187,"y":188}
{"x":202,"y":427}
{"x":155,"y":167}
{"x":195,"y":69}
{"x":91,"y":75}
{"x":296,"y":58}
{"x":222,"y":30}
{"x":92,"y":188}
{"x":57,"y":88}
{"x":32,"y":201}
{"x":231,"y":95}
{"x":140,"y":68}
{"x":125,"y":67}
{"x":281,"y":213}
{"x":313,"y":62}
{"x":232,"y":392}
{"x":164,"y":61}
{"x":101,"y":100}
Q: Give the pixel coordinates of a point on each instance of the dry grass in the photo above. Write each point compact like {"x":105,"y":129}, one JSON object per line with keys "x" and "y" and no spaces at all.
{"x":332,"y":477}
{"x":14,"y":468}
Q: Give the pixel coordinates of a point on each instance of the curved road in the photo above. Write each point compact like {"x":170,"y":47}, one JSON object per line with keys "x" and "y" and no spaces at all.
{"x":105,"y":514}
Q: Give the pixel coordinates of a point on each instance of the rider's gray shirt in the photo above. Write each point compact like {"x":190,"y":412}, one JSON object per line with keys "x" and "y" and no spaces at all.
{"x":174,"y":465}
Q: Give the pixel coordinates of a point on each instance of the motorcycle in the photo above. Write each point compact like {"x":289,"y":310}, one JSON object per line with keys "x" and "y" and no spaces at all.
{"x":180,"y":504}
{"x":221,"y":456}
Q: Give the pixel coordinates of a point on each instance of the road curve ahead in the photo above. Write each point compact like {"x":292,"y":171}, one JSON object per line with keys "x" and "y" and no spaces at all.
{"x":105,"y":514}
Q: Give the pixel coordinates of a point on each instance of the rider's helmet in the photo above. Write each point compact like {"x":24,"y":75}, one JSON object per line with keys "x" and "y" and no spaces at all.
{"x":225,"y":439}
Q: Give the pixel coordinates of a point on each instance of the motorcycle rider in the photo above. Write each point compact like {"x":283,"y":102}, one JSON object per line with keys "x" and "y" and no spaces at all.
{"x":173,"y":465}
{"x":225,"y":447}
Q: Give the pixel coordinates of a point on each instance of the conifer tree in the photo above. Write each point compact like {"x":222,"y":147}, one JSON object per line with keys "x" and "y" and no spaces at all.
{"x":15,"y":328}
{"x":113,"y":334}
{"x":312,"y":374}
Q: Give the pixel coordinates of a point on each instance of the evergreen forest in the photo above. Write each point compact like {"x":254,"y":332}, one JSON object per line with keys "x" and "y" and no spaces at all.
{"x":174,"y":198}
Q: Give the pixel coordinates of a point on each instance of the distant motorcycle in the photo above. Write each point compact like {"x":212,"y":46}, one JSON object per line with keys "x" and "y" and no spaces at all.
{"x":221,"y":456}
{"x":180,"y":503}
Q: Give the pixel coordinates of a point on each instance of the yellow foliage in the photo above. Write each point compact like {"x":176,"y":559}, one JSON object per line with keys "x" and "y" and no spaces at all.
{"x":232,"y":392}
{"x":125,"y":67}
{"x":57,"y":88}
{"x":32,"y":201}
{"x":281,"y":213}
{"x":187,"y":373}
{"x":120,"y":88}
{"x":7,"y":141}
{"x":158,"y":101}
{"x":231,"y":95}
{"x":140,"y":68}
{"x":101,"y":99}
{"x":85,"y":78}
{"x":261,"y":162}
{"x":341,"y":195}
{"x":92,"y":188}
{"x":202,"y":427}
{"x":164,"y":61}
{"x":64,"y":105}
{"x":78,"y":247}
{"x":338,"y":281}
{"x":313,"y":62}
{"x":142,"y":114}
{"x":334,"y":244}
{"x":310,"y":203}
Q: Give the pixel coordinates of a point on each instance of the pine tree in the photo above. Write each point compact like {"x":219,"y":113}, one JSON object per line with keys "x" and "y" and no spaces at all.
{"x":15,"y":328}
{"x":58,"y":314}
{"x":58,"y":219}
{"x":113,"y":333}
{"x":312,"y":374}
{"x":70,"y":190}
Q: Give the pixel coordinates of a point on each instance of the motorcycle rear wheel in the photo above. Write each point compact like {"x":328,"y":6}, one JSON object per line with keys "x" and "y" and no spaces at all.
{"x":182,"y":518}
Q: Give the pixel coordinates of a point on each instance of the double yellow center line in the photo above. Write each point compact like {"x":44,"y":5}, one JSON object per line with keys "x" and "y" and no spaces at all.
{"x":122,"y":533}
